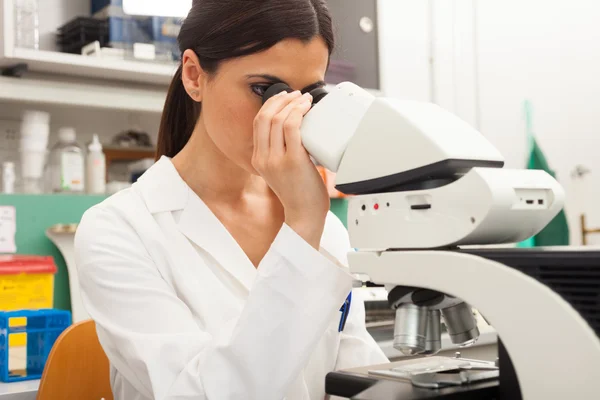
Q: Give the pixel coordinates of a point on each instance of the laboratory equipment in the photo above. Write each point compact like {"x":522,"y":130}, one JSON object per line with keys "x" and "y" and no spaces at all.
{"x":140,"y":30}
{"x":8,"y":177}
{"x":427,"y":187}
{"x":66,"y":166}
{"x":39,"y":329}
{"x":27,"y":24}
{"x":26,"y":282}
{"x":95,"y":168}
{"x":33,"y":145}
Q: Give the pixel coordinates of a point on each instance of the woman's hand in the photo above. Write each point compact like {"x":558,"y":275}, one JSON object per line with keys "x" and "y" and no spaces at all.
{"x":280,"y":158}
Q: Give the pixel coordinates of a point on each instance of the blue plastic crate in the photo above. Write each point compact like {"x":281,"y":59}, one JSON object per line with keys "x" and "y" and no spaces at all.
{"x":42,"y":328}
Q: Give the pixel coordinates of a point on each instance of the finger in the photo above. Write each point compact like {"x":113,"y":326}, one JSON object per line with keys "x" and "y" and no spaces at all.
{"x":263,"y":120}
{"x":256,"y":122}
{"x":277,"y":139}
{"x":291,"y":128}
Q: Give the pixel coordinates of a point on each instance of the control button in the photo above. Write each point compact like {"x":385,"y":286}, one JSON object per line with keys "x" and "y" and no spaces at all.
{"x":420,"y":207}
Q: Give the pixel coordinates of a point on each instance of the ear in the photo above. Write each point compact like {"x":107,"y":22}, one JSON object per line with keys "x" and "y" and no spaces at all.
{"x":192,"y":75}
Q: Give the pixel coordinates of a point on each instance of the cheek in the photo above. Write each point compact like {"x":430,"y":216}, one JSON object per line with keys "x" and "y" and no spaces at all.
{"x":229,"y":124}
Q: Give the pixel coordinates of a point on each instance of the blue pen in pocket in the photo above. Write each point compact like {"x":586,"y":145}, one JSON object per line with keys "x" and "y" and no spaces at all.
{"x":345,"y":310}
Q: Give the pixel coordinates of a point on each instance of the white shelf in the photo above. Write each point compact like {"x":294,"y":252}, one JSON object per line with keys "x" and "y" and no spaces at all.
{"x":100,"y":68}
{"x":119,"y":88}
{"x":93,"y":67}
{"x":105,"y":96}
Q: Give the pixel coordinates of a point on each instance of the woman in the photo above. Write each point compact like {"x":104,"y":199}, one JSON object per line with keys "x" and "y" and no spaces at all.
{"x":219,"y":275}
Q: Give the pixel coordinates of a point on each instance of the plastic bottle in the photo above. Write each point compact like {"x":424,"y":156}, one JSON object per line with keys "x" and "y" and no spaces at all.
{"x":65,"y":171}
{"x":27,"y":24}
{"x":95,"y":168}
{"x":8,"y":177}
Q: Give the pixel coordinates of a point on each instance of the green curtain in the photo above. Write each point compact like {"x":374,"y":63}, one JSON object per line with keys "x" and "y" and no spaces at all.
{"x":557,"y":231}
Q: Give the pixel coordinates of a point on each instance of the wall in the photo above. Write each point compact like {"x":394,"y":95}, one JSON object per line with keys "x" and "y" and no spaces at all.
{"x":547,"y":52}
{"x":33,"y":219}
{"x":404,"y":49}
{"x":488,"y":58}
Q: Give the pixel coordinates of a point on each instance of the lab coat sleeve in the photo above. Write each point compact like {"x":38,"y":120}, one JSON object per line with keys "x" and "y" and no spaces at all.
{"x":152,"y":339}
{"x":357,"y":346}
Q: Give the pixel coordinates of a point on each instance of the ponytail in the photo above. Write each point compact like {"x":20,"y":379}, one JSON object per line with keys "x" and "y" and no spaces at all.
{"x":178,"y":119}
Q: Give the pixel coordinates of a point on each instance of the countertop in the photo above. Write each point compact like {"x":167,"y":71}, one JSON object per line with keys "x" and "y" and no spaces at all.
{"x":26,"y":390}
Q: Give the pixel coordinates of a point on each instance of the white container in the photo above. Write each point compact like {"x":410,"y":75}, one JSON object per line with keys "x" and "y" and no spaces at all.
{"x":27,"y":24}
{"x":66,"y":167}
{"x":95,"y":168}
{"x":8,"y":177}
{"x":32,"y":163}
{"x":35,"y":130}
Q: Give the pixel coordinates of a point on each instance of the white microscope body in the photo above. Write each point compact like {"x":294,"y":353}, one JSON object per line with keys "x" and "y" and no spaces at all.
{"x":426,"y":182}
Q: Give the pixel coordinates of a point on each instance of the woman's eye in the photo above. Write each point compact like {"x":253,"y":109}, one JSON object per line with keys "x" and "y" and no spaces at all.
{"x":259,"y":90}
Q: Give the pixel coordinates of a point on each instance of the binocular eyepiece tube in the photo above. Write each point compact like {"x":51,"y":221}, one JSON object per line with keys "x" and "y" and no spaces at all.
{"x":317,"y":94}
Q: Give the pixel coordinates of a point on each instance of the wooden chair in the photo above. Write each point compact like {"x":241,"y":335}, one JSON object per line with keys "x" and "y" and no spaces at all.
{"x":77,"y":367}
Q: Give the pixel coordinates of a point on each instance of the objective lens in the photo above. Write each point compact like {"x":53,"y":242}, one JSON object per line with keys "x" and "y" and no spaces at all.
{"x":433,"y":338}
{"x":461,"y":324}
{"x":410,"y":329}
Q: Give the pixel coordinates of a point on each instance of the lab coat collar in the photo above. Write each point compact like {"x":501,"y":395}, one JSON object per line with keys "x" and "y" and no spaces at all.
{"x":201,"y":226}
{"x":164,"y":190}
{"x":162,"y":187}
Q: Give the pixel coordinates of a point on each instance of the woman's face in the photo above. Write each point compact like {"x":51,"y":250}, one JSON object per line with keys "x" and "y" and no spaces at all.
{"x":233,"y":96}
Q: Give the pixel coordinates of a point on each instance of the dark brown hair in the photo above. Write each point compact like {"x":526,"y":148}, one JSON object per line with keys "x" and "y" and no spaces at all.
{"x":218,"y":30}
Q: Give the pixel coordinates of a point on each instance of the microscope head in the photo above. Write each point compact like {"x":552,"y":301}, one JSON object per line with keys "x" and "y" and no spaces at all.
{"x":421,"y":177}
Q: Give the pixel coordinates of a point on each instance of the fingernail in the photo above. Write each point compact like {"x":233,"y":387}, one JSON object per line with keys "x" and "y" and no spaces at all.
{"x":282,"y":92}
{"x":307,"y":95}
{"x":296,"y":92}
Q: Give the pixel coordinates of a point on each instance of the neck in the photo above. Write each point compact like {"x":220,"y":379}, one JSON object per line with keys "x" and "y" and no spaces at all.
{"x":213,"y":176}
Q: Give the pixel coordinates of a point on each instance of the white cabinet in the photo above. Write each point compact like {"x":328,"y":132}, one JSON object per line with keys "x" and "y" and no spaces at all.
{"x":47,"y":60}
{"x":55,"y":78}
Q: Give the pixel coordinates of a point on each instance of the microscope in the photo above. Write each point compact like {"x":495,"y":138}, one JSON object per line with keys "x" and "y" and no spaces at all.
{"x":429,"y":194}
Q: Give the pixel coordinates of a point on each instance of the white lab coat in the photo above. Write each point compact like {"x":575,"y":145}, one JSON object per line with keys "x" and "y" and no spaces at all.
{"x":182,"y":313}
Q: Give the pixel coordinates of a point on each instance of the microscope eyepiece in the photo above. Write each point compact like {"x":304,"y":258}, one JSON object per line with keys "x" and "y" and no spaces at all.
{"x":317,"y":94}
{"x":275,"y":89}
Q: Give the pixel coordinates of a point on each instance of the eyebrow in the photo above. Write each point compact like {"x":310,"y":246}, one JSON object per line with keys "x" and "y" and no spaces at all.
{"x":273,"y":79}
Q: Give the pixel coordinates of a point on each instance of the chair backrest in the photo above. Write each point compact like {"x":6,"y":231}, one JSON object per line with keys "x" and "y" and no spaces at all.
{"x":77,"y":367}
